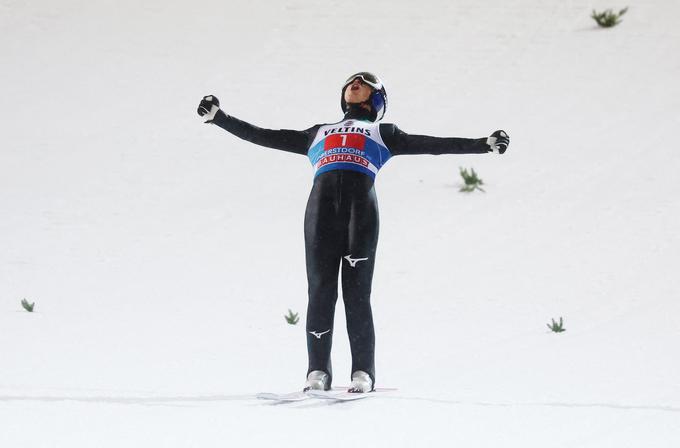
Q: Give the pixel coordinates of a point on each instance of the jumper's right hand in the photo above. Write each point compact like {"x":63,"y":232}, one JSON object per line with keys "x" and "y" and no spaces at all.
{"x":498,"y":142}
{"x":208,"y":107}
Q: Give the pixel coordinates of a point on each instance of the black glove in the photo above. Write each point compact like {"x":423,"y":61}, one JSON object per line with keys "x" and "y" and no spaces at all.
{"x":208,"y":107}
{"x":498,"y":142}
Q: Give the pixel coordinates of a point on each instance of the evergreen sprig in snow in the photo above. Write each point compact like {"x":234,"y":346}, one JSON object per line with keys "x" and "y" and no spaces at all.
{"x":472,"y":181}
{"x":292,"y":318}
{"x":557,"y":327}
{"x":608,"y":18}
{"x":27,"y":306}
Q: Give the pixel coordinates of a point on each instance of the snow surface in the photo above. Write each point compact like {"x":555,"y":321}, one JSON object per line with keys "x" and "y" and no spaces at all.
{"x":162,"y":253}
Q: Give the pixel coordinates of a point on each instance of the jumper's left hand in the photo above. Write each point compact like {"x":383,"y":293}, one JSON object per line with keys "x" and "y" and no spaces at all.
{"x":498,"y":142}
{"x":208,"y":108}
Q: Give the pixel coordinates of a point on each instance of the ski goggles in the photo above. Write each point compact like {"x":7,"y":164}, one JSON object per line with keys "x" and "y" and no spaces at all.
{"x":368,"y":78}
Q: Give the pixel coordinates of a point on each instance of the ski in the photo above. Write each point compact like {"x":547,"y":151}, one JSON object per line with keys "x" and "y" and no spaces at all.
{"x":289,"y":397}
{"x":338,"y":396}
{"x":343,"y":395}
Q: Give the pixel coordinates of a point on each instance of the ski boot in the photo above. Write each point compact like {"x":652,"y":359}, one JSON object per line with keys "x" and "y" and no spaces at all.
{"x":317,"y":380}
{"x":361,"y":382}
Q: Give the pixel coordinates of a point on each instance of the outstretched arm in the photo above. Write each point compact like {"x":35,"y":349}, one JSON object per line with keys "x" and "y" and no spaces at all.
{"x":399,"y":142}
{"x":284,"y":139}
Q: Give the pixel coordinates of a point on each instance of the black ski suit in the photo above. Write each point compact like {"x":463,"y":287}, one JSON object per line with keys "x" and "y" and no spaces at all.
{"x":341,"y":226}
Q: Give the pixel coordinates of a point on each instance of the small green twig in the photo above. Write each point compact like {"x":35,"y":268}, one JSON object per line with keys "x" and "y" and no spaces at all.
{"x":608,"y":18}
{"x":27,"y":306}
{"x":472,"y":181}
{"x":292,"y":318}
{"x":557,"y":327}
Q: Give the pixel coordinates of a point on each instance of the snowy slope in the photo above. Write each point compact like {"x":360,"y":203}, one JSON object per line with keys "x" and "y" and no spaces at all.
{"x":162,"y":253}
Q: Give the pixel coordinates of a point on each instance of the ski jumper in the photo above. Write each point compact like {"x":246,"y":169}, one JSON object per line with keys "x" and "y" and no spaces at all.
{"x":341,"y":218}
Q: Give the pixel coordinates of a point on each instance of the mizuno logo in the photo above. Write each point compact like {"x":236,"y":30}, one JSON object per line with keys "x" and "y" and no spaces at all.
{"x":318,"y":335}
{"x":353,"y":261}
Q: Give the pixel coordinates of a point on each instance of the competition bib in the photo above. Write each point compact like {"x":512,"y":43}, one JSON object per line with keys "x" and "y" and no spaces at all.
{"x":349,"y":145}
